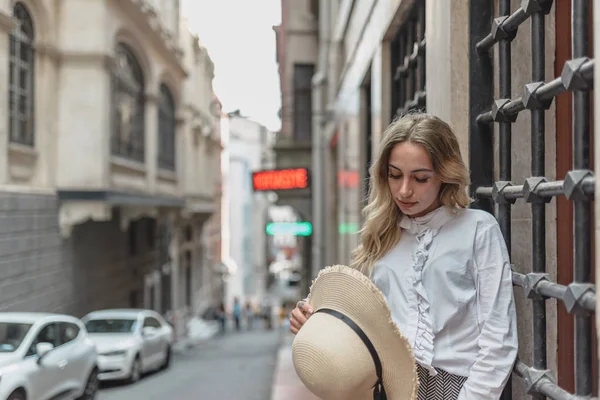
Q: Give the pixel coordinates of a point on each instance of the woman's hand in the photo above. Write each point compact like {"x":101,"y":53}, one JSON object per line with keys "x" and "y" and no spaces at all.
{"x":299,"y":315}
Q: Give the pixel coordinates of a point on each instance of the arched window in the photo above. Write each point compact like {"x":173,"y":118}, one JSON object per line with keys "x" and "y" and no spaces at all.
{"x":166,"y":129}
{"x":128,"y":106}
{"x":21,"y":78}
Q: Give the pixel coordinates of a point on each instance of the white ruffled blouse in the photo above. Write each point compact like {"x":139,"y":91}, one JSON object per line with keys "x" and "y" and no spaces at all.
{"x":449,"y":285}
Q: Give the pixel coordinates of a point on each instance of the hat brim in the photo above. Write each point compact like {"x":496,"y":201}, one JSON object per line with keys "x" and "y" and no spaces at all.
{"x":353,"y":294}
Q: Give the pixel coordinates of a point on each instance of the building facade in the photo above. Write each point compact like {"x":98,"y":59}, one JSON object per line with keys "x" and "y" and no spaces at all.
{"x":513,"y":79}
{"x":297,"y":55}
{"x":250,"y":149}
{"x":109,"y":156}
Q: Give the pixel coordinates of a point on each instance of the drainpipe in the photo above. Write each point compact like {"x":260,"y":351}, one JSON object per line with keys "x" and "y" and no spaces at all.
{"x":319,"y":85}
{"x":597,"y":154}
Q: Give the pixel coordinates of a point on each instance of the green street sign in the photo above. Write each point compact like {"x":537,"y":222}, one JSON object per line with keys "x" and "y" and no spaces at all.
{"x":348,"y":228}
{"x":289,"y":228}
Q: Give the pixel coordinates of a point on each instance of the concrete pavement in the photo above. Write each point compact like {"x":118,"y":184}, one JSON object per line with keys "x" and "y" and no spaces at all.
{"x":239,"y":365}
{"x":247,"y":365}
{"x":286,"y":384}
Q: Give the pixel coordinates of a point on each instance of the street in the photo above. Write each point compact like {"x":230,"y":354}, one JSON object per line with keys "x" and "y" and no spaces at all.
{"x":235,"y":366}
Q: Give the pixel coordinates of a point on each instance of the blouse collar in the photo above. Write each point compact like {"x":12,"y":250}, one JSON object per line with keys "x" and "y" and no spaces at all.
{"x":434,"y":220}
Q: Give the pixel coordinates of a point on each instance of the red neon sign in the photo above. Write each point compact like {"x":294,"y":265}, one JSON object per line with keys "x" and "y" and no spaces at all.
{"x":348,"y":179}
{"x":280,"y":179}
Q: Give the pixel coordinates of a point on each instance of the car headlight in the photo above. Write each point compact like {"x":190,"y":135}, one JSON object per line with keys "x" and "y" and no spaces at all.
{"x":114,"y":353}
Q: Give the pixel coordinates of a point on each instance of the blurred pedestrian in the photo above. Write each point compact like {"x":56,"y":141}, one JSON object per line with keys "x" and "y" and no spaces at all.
{"x":443,"y":268}
{"x":237,"y":313}
{"x":266,"y":315}
{"x":221,"y":316}
{"x":249,"y":314}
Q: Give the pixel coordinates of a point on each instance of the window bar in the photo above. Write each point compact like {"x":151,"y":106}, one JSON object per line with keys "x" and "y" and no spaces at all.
{"x":409,"y":64}
{"x":421,"y":103}
{"x":581,"y":161}
{"x":505,"y":142}
{"x":581,"y":69}
{"x":539,"y":283}
{"x":394,"y":57}
{"x":574,"y":184}
{"x":481,"y":93}
{"x":538,"y":204}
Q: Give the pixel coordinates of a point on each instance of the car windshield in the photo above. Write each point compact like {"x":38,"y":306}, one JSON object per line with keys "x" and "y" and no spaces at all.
{"x":111,"y":325}
{"x":11,"y":335}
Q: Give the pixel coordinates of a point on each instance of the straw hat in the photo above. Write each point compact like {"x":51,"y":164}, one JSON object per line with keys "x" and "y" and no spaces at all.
{"x":331,"y":352}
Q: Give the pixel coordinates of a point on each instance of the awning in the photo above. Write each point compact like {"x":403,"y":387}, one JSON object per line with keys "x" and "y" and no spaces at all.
{"x":120,"y":198}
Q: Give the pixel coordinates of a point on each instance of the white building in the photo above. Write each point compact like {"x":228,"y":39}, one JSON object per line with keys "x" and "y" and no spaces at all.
{"x":108,"y":155}
{"x":249,"y":149}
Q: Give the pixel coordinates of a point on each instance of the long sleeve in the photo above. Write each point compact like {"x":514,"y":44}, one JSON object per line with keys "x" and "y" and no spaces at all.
{"x":498,"y":342}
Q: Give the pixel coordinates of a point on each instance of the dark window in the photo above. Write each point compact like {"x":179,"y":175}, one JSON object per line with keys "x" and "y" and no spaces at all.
{"x":152,"y":296}
{"x":152,"y":322}
{"x":133,"y":299}
{"x":189,"y":233}
{"x":188,"y":278}
{"x":166,"y":129}
{"x":303,"y":74}
{"x":12,"y":335}
{"x":68,"y":332}
{"x":21,"y":97}
{"x":48,"y":334}
{"x":408,"y":63}
{"x":133,"y":244}
{"x":111,"y":325}
{"x":164,"y":238}
{"x":151,"y":233}
{"x":127,"y":106}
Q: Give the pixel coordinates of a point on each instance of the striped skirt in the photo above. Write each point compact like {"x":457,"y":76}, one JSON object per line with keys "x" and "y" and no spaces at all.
{"x":443,"y":386}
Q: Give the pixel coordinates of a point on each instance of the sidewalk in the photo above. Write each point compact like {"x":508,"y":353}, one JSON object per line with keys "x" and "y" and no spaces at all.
{"x":197,"y":332}
{"x":286,"y":384}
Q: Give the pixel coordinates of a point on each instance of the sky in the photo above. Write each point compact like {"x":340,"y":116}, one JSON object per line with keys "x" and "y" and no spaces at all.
{"x":240,"y":40}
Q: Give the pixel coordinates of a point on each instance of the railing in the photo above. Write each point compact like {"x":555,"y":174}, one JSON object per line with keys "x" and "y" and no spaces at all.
{"x":579,"y":297}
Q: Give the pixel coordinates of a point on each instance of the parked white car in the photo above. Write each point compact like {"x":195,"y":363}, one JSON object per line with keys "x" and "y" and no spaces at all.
{"x":46,"y":356}
{"x":129,"y":342}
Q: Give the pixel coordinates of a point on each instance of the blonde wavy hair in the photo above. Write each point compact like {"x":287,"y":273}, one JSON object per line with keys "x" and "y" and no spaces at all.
{"x":380,"y":231}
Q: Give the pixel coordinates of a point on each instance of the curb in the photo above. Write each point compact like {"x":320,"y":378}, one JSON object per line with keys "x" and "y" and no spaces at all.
{"x":286,"y":384}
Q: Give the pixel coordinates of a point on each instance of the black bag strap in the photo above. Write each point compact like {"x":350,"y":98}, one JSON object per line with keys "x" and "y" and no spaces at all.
{"x":378,"y":389}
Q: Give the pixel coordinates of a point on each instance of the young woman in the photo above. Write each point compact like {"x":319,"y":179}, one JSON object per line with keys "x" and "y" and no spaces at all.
{"x":443,"y":268}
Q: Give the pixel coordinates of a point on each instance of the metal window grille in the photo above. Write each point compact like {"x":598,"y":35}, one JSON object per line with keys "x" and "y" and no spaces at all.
{"x":21,"y":78}
{"x":166,"y":129}
{"x":408,"y":63}
{"x":303,"y":74}
{"x":579,"y":296}
{"x":128,"y":106}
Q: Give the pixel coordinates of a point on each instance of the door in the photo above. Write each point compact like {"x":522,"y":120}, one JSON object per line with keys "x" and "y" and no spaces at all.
{"x":46,"y":376}
{"x":151,"y":348}
{"x":75,"y":356}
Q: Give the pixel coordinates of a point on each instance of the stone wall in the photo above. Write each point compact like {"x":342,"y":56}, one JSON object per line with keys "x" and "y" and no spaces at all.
{"x":99,"y":266}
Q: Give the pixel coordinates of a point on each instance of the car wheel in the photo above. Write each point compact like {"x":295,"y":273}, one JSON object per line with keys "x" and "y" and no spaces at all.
{"x":136,"y":370}
{"x":167,"y":361}
{"x":17,"y":395}
{"x":91,"y":386}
